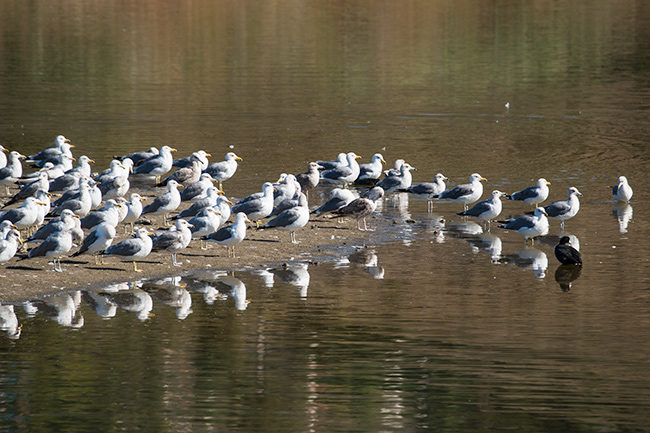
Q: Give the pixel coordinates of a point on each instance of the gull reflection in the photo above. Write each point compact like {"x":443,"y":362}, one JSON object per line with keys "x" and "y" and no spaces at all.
{"x":174,"y":295}
{"x":296,"y":274}
{"x":623,"y":214}
{"x":102,"y":305}
{"x":133,"y":300}
{"x":209,"y":292}
{"x":62,"y":309}
{"x":529,"y":258}
{"x":267,"y":277}
{"x":9,"y":322}
{"x":237,"y":291}
{"x":368,"y":260}
{"x":489,"y":243}
{"x":565,"y":275}
{"x":464,"y":228}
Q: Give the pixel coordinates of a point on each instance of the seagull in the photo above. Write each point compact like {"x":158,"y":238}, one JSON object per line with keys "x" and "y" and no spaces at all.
{"x":223,"y":208}
{"x":29,"y":189}
{"x":52,"y":154}
{"x":174,"y":240}
{"x":43,"y":198}
{"x":97,"y":241}
{"x":80,"y":206}
{"x":114,"y":188}
{"x":12,"y":171}
{"x":84,"y":166}
{"x":343,"y":175}
{"x":107,"y":215}
{"x":165,"y":203}
{"x":138,"y":157}
{"x":157,"y":165}
{"x":622,"y":191}
{"x":224,"y":170}
{"x":533,"y":195}
{"x":200,"y":155}
{"x":399,"y":181}
{"x":565,"y":209}
{"x":198,"y":190}
{"x":66,"y":221}
{"x":257,"y":206}
{"x":9,"y":245}
{"x":231,"y":235}
{"x":291,"y":219}
{"x":285,"y":188}
{"x":56,"y":245}
{"x":362,"y":207}
{"x":66,"y":182}
{"x":205,"y":222}
{"x":467,"y":193}
{"x":370,"y":173}
{"x":134,"y":210}
{"x":133,"y":249}
{"x":566,"y":254}
{"x":198,"y":206}
{"x":529,"y":226}
{"x":429,"y":189}
{"x":3,"y":157}
{"x":186,"y":175}
{"x":486,"y":210}
{"x":338,"y":198}
{"x":340,"y":161}
{"x":24,"y":216}
{"x":309,"y":180}
{"x":116,"y":168}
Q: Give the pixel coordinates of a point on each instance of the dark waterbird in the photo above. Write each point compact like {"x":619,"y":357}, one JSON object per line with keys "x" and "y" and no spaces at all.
{"x":566,"y":254}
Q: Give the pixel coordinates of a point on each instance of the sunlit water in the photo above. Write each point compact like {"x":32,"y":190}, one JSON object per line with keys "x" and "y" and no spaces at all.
{"x":435,"y":323}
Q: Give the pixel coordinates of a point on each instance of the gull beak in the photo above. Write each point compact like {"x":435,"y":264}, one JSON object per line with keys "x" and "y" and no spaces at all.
{"x":172,"y":149}
{"x":21,"y":156}
{"x":5,"y":150}
{"x":207,"y":154}
{"x":217,"y":212}
{"x":220,"y":192}
{"x":548,"y":183}
{"x":72,"y":145}
{"x":382,"y":160}
{"x":75,"y":216}
{"x":484,"y":179}
{"x":358,"y":157}
{"x":229,"y":202}
{"x":73,"y":158}
{"x":249,"y":221}
{"x":150,"y":233}
{"x":67,"y":140}
{"x":239,"y":159}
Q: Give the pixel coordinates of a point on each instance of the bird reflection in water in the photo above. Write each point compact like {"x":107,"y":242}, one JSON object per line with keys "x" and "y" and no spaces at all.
{"x":62,"y":308}
{"x":172,"y":292}
{"x":489,"y":243}
{"x":565,"y":275}
{"x":296,"y":274}
{"x":368,"y":260}
{"x":237,"y":291}
{"x":623,"y":214}
{"x":9,"y":322}
{"x":529,"y":258}
{"x":129,"y":298}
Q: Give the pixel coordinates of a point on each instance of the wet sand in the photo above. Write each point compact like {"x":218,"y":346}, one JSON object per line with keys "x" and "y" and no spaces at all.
{"x":34,"y":278}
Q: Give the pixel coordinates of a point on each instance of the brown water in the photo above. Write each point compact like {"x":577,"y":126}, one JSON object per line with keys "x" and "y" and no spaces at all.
{"x":437,"y":324}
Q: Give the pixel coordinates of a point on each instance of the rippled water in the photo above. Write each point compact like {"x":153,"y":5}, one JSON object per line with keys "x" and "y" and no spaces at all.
{"x":435,"y":323}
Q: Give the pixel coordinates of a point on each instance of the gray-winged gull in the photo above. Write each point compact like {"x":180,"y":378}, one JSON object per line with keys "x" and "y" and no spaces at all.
{"x":486,"y":210}
{"x":231,"y":235}
{"x":362,"y":207}
{"x":224,"y":170}
{"x":533,"y":195}
{"x":196,"y":207}
{"x":285,"y":188}
{"x":140,"y":156}
{"x":67,"y":220}
{"x":200,"y":155}
{"x":97,"y":241}
{"x":309,"y":180}
{"x":133,"y":249}
{"x":29,"y":190}
{"x":165,"y":203}
{"x":467,"y":193}
{"x":257,"y":206}
{"x":399,"y":181}
{"x":157,"y":165}
{"x":83,"y":167}
{"x":185,"y":175}
{"x":198,"y":190}
{"x":114,"y":188}
{"x":3,"y":157}
{"x":340,"y":161}
{"x":174,"y":240}
{"x":370,"y":172}
{"x":566,"y":253}
{"x":205,"y":222}
{"x":59,"y":142}
{"x":565,"y":209}
{"x":622,"y":191}
{"x":80,"y":206}
{"x":116,"y":168}
{"x":343,"y":175}
{"x":134,"y":210}
{"x":12,"y":171}
{"x":9,"y":245}
{"x":67,"y":182}
{"x":529,"y":226}
{"x":337,"y":199}
{"x":223,"y":207}
{"x":24,"y":216}
{"x":429,"y":189}
{"x":291,"y":219}
{"x":56,"y":245}
{"x":107,"y":215}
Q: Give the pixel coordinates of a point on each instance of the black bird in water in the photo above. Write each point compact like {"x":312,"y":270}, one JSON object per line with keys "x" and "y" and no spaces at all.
{"x":566,"y":254}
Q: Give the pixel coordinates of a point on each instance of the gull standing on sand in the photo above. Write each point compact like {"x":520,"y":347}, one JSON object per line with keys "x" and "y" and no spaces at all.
{"x":174,"y":240}
{"x":97,"y":241}
{"x":56,"y":245}
{"x":362,"y":207}
{"x":205,"y":222}
{"x":370,"y":173}
{"x":52,"y":154}
{"x":309,"y":180}
{"x":140,"y":156}
{"x":467,"y":193}
{"x":486,"y":210}
{"x":133,"y":249}
{"x":12,"y":171}
{"x":231,"y":235}
{"x":257,"y":206}
{"x":224,"y":170}
{"x":24,"y":216}
{"x":337,"y":199}
{"x":109,"y":214}
{"x":565,"y":209}
{"x":165,"y":203}
{"x":66,"y":221}
{"x":533,"y":195}
{"x":529,"y":226}
{"x":291,"y":219}
{"x":9,"y":245}
{"x":80,"y":206}
{"x":200,"y":155}
{"x":199,"y":189}
{"x":134,"y":210}
{"x":186,"y":175}
{"x":114,"y":188}
{"x":157,"y":165}
{"x":196,"y":207}
{"x":622,"y":191}
{"x":29,"y":190}
{"x":343,"y":175}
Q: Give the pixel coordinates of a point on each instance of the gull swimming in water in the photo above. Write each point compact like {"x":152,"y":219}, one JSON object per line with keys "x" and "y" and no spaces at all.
{"x":529,"y":226}
{"x":622,"y":191}
{"x":133,"y":249}
{"x":467,"y":193}
{"x":231,"y":235}
{"x":533,"y":195}
{"x":565,"y":209}
{"x":362,"y":207}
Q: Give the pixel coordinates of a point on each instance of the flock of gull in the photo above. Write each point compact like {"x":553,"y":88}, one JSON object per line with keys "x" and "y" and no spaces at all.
{"x":62,"y":206}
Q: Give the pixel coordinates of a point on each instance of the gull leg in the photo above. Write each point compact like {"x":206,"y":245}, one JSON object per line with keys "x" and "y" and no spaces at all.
{"x":135,"y":267}
{"x":292,"y":235}
{"x":174,"y":262}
